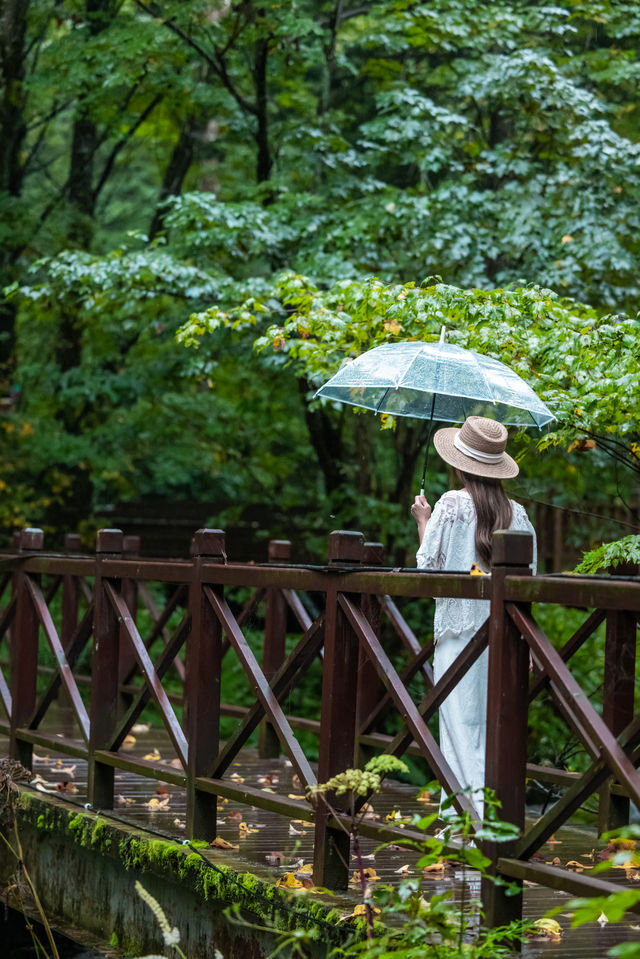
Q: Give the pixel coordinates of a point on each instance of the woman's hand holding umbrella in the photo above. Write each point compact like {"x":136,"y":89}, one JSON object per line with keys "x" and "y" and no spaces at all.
{"x":421,"y":511}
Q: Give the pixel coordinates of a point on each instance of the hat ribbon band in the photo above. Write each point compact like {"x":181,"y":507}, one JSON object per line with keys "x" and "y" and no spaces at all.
{"x":476,"y":454}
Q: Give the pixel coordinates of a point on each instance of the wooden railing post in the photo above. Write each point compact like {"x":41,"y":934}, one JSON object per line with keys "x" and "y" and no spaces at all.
{"x":617,"y":702}
{"x":104,"y":705}
{"x":203,"y":666}
{"x":507,"y":705}
{"x":337,"y":749}
{"x":275,"y":633}
{"x":24,"y":652}
{"x":370,"y":689}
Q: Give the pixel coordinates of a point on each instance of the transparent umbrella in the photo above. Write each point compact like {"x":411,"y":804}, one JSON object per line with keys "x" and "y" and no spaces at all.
{"x":439,"y":382}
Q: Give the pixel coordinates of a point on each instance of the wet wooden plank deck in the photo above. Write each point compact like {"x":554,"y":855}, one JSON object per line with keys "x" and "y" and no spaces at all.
{"x":161,"y":810}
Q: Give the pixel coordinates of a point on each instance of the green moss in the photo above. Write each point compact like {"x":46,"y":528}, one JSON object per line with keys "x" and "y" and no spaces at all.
{"x":267,"y":904}
{"x":113,"y":941}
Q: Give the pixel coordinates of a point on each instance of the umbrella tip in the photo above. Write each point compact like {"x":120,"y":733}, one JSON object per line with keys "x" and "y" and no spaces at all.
{"x":442,"y":332}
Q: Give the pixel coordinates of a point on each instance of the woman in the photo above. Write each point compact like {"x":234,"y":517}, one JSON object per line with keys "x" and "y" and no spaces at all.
{"x":455,"y":536}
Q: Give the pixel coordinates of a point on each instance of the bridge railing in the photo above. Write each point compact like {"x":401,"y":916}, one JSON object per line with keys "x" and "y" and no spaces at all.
{"x":102,"y":595}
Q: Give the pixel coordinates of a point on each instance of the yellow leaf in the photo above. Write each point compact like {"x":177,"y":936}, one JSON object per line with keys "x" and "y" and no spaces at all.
{"x":476,"y":571}
{"x":289,"y":880}
{"x":361,"y":910}
{"x":547,"y":929}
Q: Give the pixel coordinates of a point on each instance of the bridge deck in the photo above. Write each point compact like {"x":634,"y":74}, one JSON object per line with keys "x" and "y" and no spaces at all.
{"x":278,"y":845}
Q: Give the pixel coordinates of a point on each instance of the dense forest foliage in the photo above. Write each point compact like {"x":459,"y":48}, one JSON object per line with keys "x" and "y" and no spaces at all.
{"x":305,"y":180}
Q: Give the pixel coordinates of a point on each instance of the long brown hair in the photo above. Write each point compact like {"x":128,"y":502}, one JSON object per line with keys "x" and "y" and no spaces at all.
{"x":493,"y":510}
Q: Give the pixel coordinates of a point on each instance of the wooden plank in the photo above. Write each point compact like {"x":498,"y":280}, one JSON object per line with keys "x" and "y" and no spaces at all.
{"x":574,"y":797}
{"x":590,"y":592}
{"x":436,"y":696}
{"x":299,"y":659}
{"x":261,"y":687}
{"x":149,"y":674}
{"x":163,"y":664}
{"x":64,"y":669}
{"x":574,"y":883}
{"x":75,"y":645}
{"x":406,"y":634}
{"x":407,"y":709}
{"x":295,"y":604}
{"x":7,"y":616}
{"x":541,"y":681}
{"x":385,"y":702}
{"x":59,"y":744}
{"x":577,"y":701}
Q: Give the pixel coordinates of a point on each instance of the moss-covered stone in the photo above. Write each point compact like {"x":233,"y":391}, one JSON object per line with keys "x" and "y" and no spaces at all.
{"x":175,"y":862}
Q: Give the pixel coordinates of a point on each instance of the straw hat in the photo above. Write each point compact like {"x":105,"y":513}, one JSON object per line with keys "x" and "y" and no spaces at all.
{"x":477,"y":447}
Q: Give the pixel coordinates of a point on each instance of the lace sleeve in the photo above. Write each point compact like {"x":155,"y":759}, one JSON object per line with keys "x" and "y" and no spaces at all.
{"x":432,"y":553}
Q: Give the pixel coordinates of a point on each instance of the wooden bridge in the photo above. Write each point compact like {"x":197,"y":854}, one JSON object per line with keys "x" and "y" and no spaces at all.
{"x":338,"y":614}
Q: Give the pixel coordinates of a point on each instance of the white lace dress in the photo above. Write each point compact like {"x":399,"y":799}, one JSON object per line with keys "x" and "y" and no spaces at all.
{"x":449,"y":544}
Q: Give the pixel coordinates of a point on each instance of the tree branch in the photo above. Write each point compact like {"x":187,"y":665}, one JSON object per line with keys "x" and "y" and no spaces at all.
{"x":217,"y":64}
{"x":106,"y":171}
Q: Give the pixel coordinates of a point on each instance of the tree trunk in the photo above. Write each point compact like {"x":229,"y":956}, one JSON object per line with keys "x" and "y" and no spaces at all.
{"x":13,"y":28}
{"x":326,"y":440}
{"x":263,"y":160}
{"x":85,"y":142}
{"x":175,"y":173}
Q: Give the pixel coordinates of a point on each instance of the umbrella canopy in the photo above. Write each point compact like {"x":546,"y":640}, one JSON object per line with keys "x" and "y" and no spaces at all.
{"x":436,"y":381}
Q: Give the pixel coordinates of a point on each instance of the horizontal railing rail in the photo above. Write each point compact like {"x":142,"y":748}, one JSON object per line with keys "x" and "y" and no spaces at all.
{"x":89,"y":609}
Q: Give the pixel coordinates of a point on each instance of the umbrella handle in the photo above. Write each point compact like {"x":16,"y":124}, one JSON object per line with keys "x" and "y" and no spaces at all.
{"x":426,"y":459}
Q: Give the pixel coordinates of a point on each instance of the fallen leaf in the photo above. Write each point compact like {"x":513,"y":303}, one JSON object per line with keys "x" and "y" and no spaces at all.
{"x":178,"y":823}
{"x":153,"y":756}
{"x":573,"y":864}
{"x":269,"y":780}
{"x":296,"y":832}
{"x":124,"y":801}
{"x":552,"y":841}
{"x":434,"y":869}
{"x":219,"y":843}
{"x":139,"y":728}
{"x":289,"y":880}
{"x":546,"y":929}
{"x":307,"y":869}
{"x":602,"y":919}
{"x":128,"y":742}
{"x":162,"y":791}
{"x":275,"y":858}
{"x":236,"y":778}
{"x":245,"y":829}
{"x":221,"y":801}
{"x":295,"y":796}
{"x":371,"y":855}
{"x":424,"y":796}
{"x":235,"y":815}
{"x":368,"y":874}
{"x":404,"y":870}
{"x":295,"y":782}
{"x":66,"y":786}
{"x":155,"y":803}
{"x":176,"y":763}
{"x":361,"y":909}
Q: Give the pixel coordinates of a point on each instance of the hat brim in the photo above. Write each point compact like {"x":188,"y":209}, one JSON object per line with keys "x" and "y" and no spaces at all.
{"x":506,"y":468}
